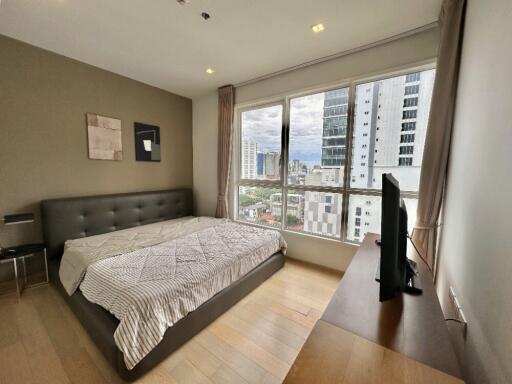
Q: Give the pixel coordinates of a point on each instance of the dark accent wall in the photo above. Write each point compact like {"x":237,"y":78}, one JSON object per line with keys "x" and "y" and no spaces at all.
{"x":43,"y":134}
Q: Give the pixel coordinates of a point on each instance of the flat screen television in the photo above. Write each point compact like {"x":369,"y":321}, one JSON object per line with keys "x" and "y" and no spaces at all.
{"x":396,"y":273}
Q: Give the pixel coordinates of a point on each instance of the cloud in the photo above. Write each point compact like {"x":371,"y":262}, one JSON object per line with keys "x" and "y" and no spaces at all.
{"x":306,"y":123}
{"x":263,"y":126}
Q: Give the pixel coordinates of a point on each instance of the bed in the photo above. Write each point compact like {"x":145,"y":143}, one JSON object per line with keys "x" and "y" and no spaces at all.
{"x":88,"y":217}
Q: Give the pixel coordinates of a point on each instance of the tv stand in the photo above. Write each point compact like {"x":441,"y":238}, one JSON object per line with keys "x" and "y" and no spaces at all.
{"x":361,"y":340}
{"x":413,"y":281}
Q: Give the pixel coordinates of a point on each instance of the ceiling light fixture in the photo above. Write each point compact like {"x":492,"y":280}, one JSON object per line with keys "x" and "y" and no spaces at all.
{"x":317,"y":28}
{"x":182,"y":2}
{"x":209,"y":71}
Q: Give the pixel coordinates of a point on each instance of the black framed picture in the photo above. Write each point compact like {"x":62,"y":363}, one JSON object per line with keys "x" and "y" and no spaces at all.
{"x":147,"y":142}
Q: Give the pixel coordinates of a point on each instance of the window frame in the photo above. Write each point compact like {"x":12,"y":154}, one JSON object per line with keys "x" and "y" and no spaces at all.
{"x":345,"y":190}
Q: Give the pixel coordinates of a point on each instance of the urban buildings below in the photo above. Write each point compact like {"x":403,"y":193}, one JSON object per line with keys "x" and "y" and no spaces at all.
{"x":390,"y":122}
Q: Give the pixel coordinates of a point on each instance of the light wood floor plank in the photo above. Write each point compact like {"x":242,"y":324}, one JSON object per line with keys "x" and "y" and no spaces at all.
{"x":14,"y":365}
{"x":307,"y":295}
{"x":244,"y":366}
{"x":186,"y":373}
{"x":75,"y":359}
{"x":269,"y":327}
{"x":257,"y":310}
{"x":290,"y":293}
{"x":225,"y":375}
{"x":249,"y":349}
{"x":42,"y":341}
{"x":201,"y":358}
{"x":264,"y":295}
{"x":8,"y":329}
{"x":261,"y":338}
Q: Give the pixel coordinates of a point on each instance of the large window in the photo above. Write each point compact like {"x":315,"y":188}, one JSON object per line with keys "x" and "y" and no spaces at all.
{"x":314,"y":163}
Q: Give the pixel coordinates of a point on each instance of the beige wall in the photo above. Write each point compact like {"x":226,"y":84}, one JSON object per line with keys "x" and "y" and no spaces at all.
{"x":475,"y":256}
{"x":43,"y":136}
{"x":388,"y":57}
{"x":205,"y":131}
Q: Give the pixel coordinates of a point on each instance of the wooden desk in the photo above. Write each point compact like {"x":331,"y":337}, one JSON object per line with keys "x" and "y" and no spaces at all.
{"x":360,"y":340}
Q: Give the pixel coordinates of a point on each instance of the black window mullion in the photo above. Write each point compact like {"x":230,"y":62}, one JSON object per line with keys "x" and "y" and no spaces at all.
{"x":285,"y":139}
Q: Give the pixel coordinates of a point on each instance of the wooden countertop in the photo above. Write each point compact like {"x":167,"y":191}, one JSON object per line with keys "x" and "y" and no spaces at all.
{"x":411,"y":325}
{"x":332,"y":355}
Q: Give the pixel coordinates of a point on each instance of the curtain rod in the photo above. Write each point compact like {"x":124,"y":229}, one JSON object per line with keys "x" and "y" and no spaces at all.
{"x":411,"y":32}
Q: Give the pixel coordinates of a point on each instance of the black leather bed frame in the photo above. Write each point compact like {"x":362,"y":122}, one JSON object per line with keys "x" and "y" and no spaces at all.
{"x":73,"y":218}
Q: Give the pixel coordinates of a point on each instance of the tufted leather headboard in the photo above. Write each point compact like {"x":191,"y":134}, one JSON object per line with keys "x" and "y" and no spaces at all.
{"x":72,"y":218}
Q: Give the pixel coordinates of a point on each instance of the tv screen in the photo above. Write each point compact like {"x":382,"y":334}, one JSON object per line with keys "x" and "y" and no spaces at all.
{"x":392,"y":278}
{"x":396,"y":273}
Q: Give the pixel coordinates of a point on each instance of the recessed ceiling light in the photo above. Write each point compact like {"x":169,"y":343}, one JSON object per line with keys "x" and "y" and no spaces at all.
{"x":317,"y":28}
{"x":182,"y":2}
{"x":209,"y":71}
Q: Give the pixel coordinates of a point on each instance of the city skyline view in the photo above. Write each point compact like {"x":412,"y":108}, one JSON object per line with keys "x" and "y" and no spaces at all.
{"x":390,"y":120}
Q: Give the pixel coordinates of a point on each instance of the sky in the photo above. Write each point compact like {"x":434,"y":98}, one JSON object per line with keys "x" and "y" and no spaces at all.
{"x":263,"y":126}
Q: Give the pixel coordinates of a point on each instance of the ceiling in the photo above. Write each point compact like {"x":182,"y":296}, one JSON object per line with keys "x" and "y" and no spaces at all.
{"x":168,"y":45}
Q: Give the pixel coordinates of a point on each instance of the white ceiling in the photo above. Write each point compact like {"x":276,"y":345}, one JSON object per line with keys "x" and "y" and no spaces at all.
{"x":168,"y":45}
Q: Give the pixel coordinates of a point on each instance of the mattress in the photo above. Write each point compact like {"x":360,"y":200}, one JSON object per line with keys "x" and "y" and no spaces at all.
{"x":151,"y":288}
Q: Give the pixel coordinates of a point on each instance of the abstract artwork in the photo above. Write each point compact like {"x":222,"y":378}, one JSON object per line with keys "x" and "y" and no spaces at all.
{"x":104,"y":136}
{"x":147,"y":142}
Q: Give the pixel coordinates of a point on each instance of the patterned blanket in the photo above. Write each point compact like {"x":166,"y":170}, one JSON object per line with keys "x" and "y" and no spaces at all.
{"x":151,"y":288}
{"x":80,"y":253}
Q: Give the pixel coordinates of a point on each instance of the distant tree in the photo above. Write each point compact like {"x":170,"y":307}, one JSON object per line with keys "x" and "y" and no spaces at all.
{"x":262,"y":193}
{"x":246,"y":200}
{"x":292,"y":220}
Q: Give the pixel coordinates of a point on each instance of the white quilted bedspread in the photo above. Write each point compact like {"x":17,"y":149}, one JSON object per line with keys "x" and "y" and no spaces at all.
{"x":82,"y":252}
{"x":151,"y":288}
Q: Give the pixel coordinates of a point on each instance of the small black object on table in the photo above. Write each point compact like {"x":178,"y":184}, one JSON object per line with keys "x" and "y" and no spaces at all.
{"x":21,"y":253}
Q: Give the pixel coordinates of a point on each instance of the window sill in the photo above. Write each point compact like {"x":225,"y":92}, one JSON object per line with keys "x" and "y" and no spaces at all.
{"x":300,"y":234}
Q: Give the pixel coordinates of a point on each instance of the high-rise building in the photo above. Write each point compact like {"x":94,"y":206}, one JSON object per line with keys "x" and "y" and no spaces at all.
{"x":334,"y":132}
{"x":272,"y":169}
{"x":248,"y":160}
{"x":260,"y":164}
{"x":391,"y":120}
{"x":322,"y":211}
{"x":390,"y":125}
{"x":295,"y":167}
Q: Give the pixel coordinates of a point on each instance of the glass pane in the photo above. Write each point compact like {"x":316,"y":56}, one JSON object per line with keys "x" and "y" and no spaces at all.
{"x":364,"y":214}
{"x":314,"y":212}
{"x":260,"y":150}
{"x":318,"y":130}
{"x":391,"y":117}
{"x":258,"y":205}
{"x":411,"y":205}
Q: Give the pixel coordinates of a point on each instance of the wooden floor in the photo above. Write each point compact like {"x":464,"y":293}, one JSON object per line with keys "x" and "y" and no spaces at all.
{"x":41,"y":341}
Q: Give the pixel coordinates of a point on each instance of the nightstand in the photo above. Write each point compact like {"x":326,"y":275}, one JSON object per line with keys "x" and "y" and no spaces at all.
{"x":20,"y":253}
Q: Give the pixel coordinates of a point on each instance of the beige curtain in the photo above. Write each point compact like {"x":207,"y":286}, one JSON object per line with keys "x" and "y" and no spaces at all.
{"x":439,"y":132}
{"x":226,"y":114}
